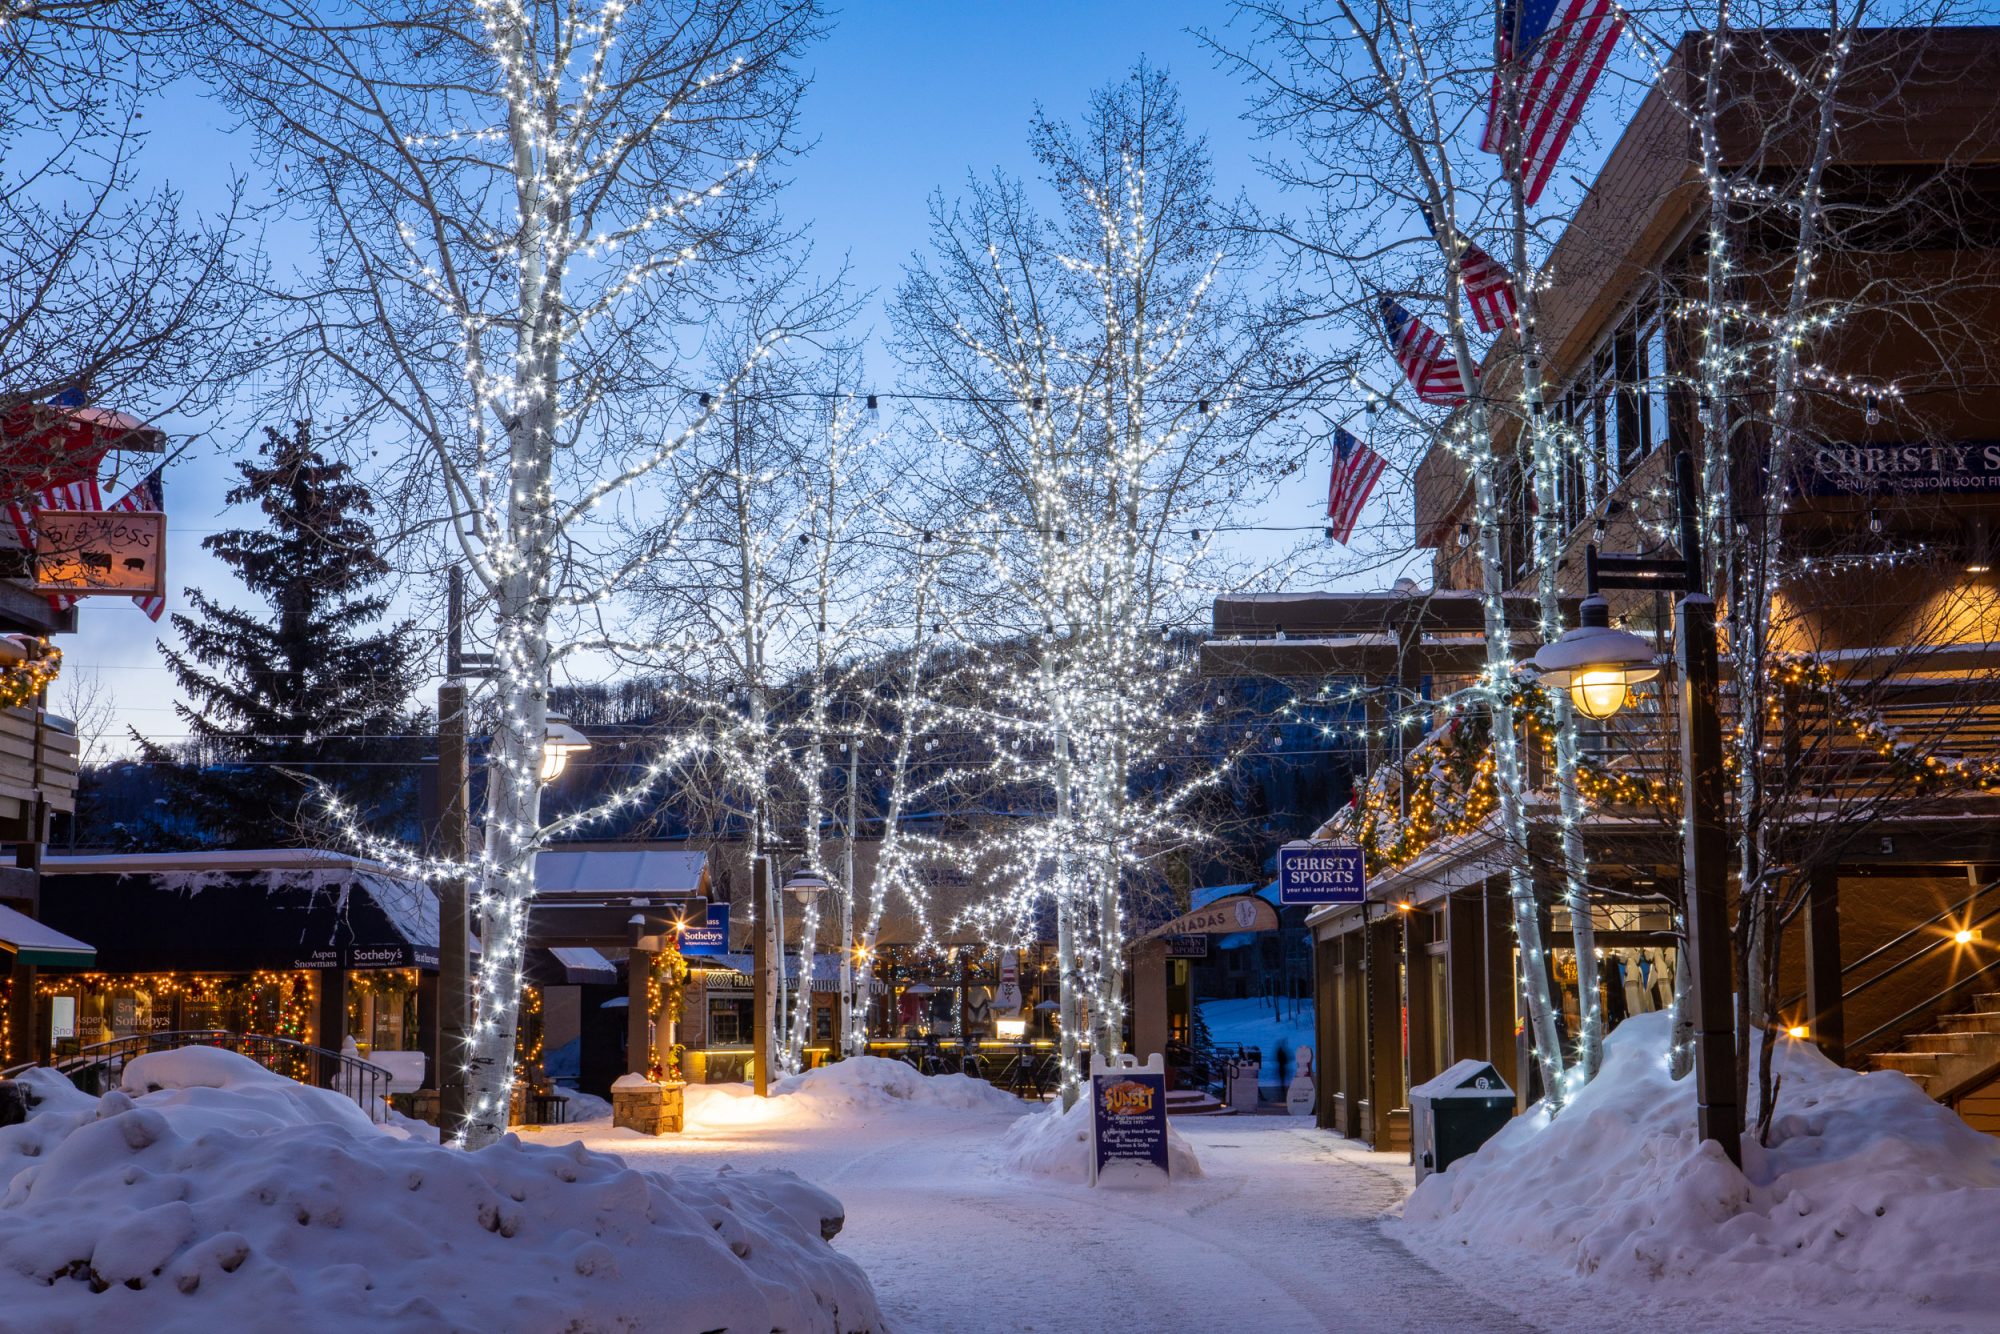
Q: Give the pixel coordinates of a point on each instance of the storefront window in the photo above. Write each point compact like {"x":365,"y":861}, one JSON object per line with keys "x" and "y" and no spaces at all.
{"x":729,"y":1022}
{"x":382,"y":1010}
{"x":82,"y":1010}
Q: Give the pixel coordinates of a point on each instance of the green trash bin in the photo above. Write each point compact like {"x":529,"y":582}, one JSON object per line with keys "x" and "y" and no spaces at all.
{"x":1455,"y":1113}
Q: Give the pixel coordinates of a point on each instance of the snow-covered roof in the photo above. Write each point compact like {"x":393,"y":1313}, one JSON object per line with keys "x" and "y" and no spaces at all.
{"x":583,"y":964}
{"x":33,"y":942}
{"x":619,"y":871}
{"x":1207,"y":894}
{"x":235,"y":859}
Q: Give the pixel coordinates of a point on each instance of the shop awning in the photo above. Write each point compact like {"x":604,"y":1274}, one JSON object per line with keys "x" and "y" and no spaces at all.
{"x":580,"y":965}
{"x":239,"y":911}
{"x":32,"y":942}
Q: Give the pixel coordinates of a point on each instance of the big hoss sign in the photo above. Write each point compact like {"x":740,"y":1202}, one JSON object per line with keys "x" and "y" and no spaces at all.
{"x":81,"y":552}
{"x":1321,"y":873}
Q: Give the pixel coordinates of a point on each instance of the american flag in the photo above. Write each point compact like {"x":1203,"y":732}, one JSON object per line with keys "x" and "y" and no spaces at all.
{"x":1488,"y":285}
{"x":1562,"y":46}
{"x":148,"y":497}
{"x":81,"y":494}
{"x":1356,"y":469}
{"x":1419,"y":350}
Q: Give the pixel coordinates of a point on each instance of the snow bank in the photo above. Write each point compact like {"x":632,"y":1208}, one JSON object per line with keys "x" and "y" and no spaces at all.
{"x":210,"y":1193}
{"x":874,"y":1083}
{"x":1868,"y":1189}
{"x":1055,"y":1143}
{"x":859,"y":1085}
{"x":586,"y":1106}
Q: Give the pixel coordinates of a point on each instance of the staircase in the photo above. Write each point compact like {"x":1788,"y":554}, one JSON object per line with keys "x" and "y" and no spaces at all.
{"x":1961,"y":1055}
{"x":1197,"y":1102}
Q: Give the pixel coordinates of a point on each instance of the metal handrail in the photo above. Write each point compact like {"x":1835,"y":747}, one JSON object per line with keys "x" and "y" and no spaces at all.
{"x":367,"y":1085}
{"x":1921,"y":1007}
{"x":1945,"y":915}
{"x":1888,"y":945}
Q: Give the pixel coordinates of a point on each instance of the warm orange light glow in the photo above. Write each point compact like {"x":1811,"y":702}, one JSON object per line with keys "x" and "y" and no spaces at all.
{"x":1965,"y":937}
{"x":1797,"y":1031}
{"x":1405,"y":906}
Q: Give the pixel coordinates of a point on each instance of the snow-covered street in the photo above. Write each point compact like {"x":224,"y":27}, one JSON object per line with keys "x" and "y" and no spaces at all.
{"x":1278,"y":1235}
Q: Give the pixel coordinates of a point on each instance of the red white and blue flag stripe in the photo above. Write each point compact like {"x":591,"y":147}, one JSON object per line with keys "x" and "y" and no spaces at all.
{"x":1356,"y":469}
{"x":148,"y":497}
{"x":1419,"y":351}
{"x":1489,"y":288}
{"x":1561,"y":47}
{"x":81,"y":494}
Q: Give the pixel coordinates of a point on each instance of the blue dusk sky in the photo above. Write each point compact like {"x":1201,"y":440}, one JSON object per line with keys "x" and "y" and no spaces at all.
{"x":906,"y":98}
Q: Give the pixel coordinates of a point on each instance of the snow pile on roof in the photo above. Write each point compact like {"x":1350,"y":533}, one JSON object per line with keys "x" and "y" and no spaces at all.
{"x":1867,"y":1190}
{"x":1056,"y":1143}
{"x":209,"y":1193}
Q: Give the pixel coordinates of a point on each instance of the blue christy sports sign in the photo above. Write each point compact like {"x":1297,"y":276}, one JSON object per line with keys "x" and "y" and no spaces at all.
{"x":1128,"y":1121}
{"x":1321,"y":873}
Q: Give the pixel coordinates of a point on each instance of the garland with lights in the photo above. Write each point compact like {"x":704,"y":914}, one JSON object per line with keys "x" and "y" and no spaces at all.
{"x":22,"y":683}
{"x":666,"y":988}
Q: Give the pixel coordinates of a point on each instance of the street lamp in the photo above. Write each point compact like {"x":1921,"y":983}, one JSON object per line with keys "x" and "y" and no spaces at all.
{"x":559,"y":743}
{"x":805,"y":886}
{"x":1596,"y":664}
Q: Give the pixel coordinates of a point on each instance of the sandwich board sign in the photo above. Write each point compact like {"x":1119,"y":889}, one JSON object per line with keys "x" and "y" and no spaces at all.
{"x":1128,"y":1121}
{"x":1321,"y":873}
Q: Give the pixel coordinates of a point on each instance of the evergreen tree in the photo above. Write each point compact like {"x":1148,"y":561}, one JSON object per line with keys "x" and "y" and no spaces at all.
{"x":314,"y":686}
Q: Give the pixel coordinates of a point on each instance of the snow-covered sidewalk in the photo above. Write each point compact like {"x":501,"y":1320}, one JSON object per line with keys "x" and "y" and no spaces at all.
{"x":1279,"y":1234}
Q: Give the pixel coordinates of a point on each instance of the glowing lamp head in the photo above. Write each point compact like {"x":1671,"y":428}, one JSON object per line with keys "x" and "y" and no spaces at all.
{"x":805,"y":885}
{"x":1597,"y":665}
{"x":1799,"y":1031}
{"x":1965,"y":936}
{"x":559,"y":743}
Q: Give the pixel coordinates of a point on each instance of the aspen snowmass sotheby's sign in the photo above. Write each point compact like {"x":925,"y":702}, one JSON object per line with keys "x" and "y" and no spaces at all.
{"x":712,"y":937}
{"x":1128,"y":1121}
{"x":1895,"y":468}
{"x":1321,"y":873}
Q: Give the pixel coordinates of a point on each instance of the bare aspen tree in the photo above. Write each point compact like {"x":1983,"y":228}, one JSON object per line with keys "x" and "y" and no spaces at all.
{"x":106,"y":286}
{"x":1375,"y":100}
{"x":1107,"y":411}
{"x":525,"y":210}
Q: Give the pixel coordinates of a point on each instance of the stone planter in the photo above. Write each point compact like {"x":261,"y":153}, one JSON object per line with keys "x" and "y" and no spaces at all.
{"x":649,"y":1108}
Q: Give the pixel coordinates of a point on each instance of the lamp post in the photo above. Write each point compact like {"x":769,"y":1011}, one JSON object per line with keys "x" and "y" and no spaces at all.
{"x":1598,"y":666}
{"x":805,"y":885}
{"x":455,"y":845}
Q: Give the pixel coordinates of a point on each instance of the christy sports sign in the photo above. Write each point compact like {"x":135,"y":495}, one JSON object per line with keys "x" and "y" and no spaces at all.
{"x":1128,"y":1121}
{"x":1321,"y":873}
{"x":710,"y":938}
{"x":1964,"y":467}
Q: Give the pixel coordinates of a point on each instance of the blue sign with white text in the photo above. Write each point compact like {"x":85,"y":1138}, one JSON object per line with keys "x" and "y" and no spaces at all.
{"x":1321,"y":873}
{"x":712,"y":938}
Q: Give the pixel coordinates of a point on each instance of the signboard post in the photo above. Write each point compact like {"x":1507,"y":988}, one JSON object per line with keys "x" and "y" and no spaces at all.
{"x":1128,"y":1121}
{"x":81,"y":552}
{"x":712,"y":937}
{"x":1321,"y":873}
